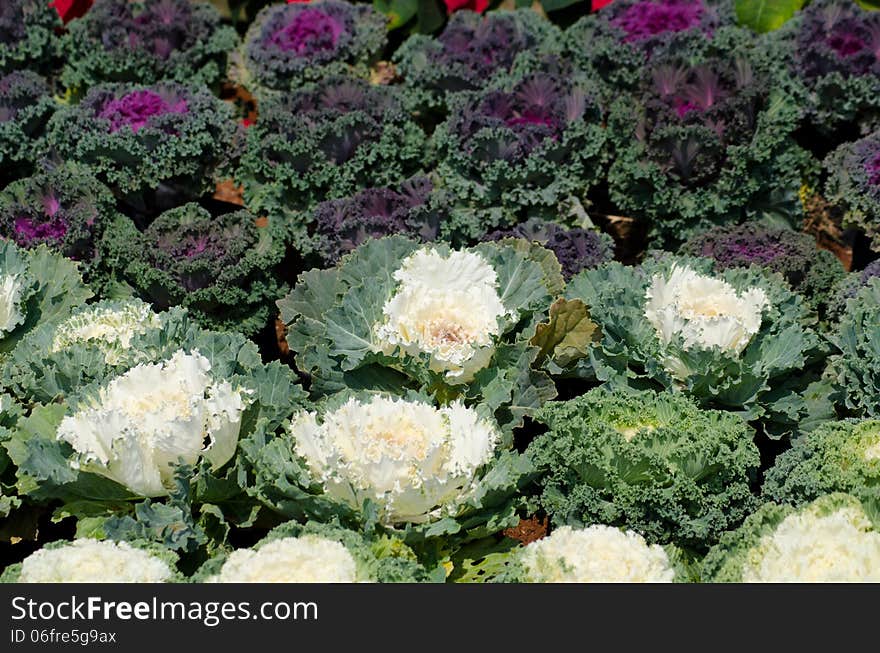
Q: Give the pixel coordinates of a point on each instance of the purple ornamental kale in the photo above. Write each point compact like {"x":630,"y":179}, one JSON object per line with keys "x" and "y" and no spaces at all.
{"x":135,"y":109}
{"x":306,"y":32}
{"x":646,"y":19}
{"x":509,"y":125}
{"x":576,"y":249}
{"x":20,"y":90}
{"x":838,"y":37}
{"x":872,"y":168}
{"x":343,"y":224}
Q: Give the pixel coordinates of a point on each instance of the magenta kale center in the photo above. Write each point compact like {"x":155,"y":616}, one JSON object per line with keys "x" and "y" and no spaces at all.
{"x":873,"y":170}
{"x":652,"y":17}
{"x":135,"y":109}
{"x":309,"y":31}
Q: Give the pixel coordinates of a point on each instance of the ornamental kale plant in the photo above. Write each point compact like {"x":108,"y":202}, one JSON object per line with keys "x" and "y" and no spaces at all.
{"x":736,"y":339}
{"x":146,"y":42}
{"x":27,"y":35}
{"x":848,"y":287}
{"x":327,"y":141}
{"x":37,"y":287}
{"x":317,"y":553}
{"x":855,"y":366}
{"x":575,"y":248}
{"x":88,"y":560}
{"x":472,"y":51}
{"x":93,"y":343}
{"x":617,"y":42}
{"x":401,"y":463}
{"x":837,"y":457}
{"x":289,"y":45}
{"x":833,"y":47}
{"x":223,"y":269}
{"x":398,"y":315}
{"x":532,"y":145}
{"x":64,"y":208}
{"x":651,"y":462}
{"x":854,"y":184}
{"x":340,"y":226}
{"x":706,"y":143}
{"x":595,"y":554}
{"x":794,"y":255}
{"x":834,"y":539}
{"x":146,"y":142}
{"x":26,"y":104}
{"x":199,"y":393}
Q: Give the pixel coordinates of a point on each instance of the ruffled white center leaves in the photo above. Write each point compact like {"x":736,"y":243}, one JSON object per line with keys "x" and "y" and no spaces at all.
{"x":703,"y":312}
{"x":155,"y":416}
{"x":414,"y":460}
{"x":808,"y":548}
{"x":93,"y":561}
{"x":11,"y":315}
{"x":111,"y":327}
{"x":447,"y":307}
{"x":597,"y":554}
{"x":305,"y":559}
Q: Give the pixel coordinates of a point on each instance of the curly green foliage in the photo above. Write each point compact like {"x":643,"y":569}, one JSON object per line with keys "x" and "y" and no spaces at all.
{"x":652,"y":462}
{"x":486,"y":501}
{"x":26,"y":104}
{"x":836,"y":457}
{"x":855,"y":367}
{"x":854,"y":184}
{"x":471,"y":52}
{"x":10,"y":412}
{"x":848,"y":287}
{"x":141,"y":139}
{"x":334,"y":318}
{"x":327,"y":141}
{"x":831,"y":50}
{"x":615,"y":44}
{"x":707,"y":141}
{"x":145,"y":42}
{"x":810,"y":271}
{"x":223,"y":269}
{"x":290,"y":45}
{"x":531,"y":145}
{"x":765,"y":380}
{"x":38,"y":287}
{"x":742,"y":555}
{"x":66,"y":209}
{"x":95,"y":342}
{"x":379,"y":558}
{"x":27,"y":34}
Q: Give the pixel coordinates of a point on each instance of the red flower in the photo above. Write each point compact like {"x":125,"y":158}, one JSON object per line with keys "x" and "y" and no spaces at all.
{"x":474,"y":5}
{"x":596,"y":5}
{"x":70,"y":9}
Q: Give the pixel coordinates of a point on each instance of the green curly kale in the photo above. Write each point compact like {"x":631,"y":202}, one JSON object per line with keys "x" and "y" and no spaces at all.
{"x":651,"y":462}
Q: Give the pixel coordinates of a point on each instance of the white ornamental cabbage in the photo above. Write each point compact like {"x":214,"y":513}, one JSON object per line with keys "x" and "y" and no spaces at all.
{"x":414,"y":460}
{"x":304,"y":559}
{"x":152,"y":417}
{"x":447,"y":307}
{"x":704,"y":312}
{"x":11,"y":315}
{"x":807,"y":547}
{"x":110,"y":325}
{"x":597,"y":554}
{"x":93,"y":561}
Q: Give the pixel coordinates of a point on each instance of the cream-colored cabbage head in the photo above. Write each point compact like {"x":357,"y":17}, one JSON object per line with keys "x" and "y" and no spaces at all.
{"x":414,"y":460}
{"x":147,"y":420}
{"x":808,"y":548}
{"x":705,"y":312}
{"x":94,"y":561}
{"x":112,"y":328}
{"x":304,"y":559}
{"x":596,"y":554}
{"x":447,"y":307}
